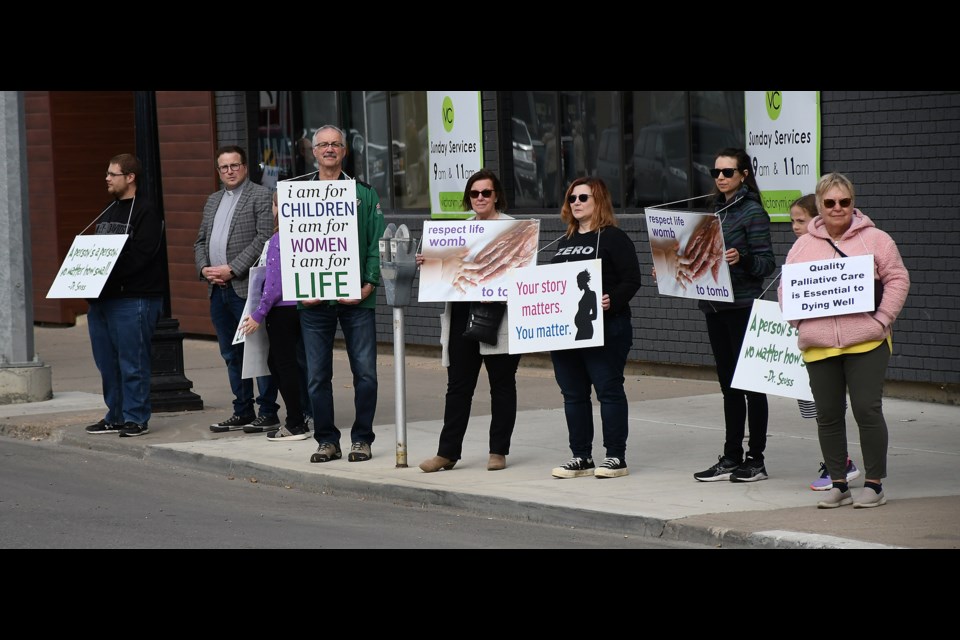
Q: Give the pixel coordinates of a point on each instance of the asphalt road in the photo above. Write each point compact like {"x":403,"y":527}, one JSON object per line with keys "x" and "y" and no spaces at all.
{"x":54,"y":497}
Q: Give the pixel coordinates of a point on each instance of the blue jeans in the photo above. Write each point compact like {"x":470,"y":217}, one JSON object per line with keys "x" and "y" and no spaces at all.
{"x":602,"y":367}
{"x":120,"y":333}
{"x":226,"y":308}
{"x":318,"y":325}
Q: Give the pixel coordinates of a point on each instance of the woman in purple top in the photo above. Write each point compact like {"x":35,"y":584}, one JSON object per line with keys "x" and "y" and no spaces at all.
{"x":283,"y":329}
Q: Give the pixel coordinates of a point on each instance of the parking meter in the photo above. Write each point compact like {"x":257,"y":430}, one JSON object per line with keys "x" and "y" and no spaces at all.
{"x":398,"y":266}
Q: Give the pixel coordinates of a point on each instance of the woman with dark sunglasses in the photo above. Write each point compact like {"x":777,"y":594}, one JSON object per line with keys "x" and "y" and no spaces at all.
{"x":850,"y":352}
{"x":592,"y":233}
{"x":463,"y":357}
{"x":749,"y":254}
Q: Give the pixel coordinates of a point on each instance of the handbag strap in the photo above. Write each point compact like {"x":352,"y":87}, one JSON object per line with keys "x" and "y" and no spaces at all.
{"x":836,"y":248}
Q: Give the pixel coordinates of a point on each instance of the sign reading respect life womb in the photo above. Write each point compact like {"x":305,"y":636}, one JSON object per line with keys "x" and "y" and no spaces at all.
{"x":87,"y":266}
{"x":688,"y":250}
{"x":556,"y":306}
{"x":466,"y":260}
{"x":783,"y":140}
{"x":318,"y":239}
{"x":456,"y":148}
{"x":833,"y":287}
{"x":770,"y":360}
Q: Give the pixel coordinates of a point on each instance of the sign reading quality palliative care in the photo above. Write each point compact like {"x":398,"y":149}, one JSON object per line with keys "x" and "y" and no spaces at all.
{"x":783,"y":140}
{"x":555,"y":306}
{"x":770,"y":360}
{"x":87,"y":266}
{"x":318,"y":239}
{"x":456,"y":148}
{"x":833,"y":287}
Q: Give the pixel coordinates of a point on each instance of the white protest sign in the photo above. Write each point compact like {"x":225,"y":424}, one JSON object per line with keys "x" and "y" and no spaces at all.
{"x":456,"y":148}
{"x":256,"y":346}
{"x":466,"y":260}
{"x":770,"y":361}
{"x":87,"y":266}
{"x":318,"y":239}
{"x":688,"y":250}
{"x":556,"y":306}
{"x":833,"y":287}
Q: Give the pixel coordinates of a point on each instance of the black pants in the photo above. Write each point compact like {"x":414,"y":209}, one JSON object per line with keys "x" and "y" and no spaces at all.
{"x":283,"y":328}
{"x":726,"y":330}
{"x":462,"y":376}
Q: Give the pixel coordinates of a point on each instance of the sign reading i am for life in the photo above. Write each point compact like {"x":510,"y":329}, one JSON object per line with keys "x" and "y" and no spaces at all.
{"x":318,"y":239}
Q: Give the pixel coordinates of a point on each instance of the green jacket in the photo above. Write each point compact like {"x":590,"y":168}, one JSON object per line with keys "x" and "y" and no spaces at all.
{"x":370,"y":228}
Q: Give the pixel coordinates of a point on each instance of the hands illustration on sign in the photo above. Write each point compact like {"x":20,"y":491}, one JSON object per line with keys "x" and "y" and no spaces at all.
{"x":704,"y":252}
{"x":452,"y":269}
{"x":512,"y":248}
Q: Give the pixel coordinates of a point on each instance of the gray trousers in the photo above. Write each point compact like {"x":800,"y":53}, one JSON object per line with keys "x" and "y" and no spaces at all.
{"x":863,"y":374}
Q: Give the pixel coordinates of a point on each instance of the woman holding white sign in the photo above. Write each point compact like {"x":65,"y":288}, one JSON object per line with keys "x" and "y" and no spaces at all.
{"x":850,"y":352}
{"x":745,"y":228}
{"x":592,"y":233}
{"x":463,"y":355}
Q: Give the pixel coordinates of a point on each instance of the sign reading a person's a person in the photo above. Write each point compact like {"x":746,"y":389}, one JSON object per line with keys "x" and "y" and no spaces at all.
{"x":555,"y":306}
{"x":87,"y":266}
{"x":770,"y":360}
{"x":833,"y":287}
{"x":318,"y":239}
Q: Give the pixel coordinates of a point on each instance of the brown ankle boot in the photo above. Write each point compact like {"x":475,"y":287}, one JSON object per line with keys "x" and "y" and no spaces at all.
{"x":436,"y":463}
{"x":496,"y":462}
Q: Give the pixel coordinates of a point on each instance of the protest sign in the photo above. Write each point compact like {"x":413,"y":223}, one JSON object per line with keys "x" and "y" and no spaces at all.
{"x":87,"y":266}
{"x":833,"y":287}
{"x":468,"y":260}
{"x":770,"y":361}
{"x":687,"y":249}
{"x":555,"y":306}
{"x":318,"y":239}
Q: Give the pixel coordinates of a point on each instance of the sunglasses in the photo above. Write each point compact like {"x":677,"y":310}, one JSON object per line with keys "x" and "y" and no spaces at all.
{"x":583,"y":197}
{"x":486,"y":193}
{"x":830,"y":203}
{"x":727,"y":173}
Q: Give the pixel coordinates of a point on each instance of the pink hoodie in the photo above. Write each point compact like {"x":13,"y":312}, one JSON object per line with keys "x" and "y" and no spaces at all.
{"x":862,"y":238}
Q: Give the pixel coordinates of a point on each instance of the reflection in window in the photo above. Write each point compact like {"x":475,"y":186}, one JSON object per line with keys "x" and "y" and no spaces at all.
{"x":658,"y":170}
{"x":716,"y":123}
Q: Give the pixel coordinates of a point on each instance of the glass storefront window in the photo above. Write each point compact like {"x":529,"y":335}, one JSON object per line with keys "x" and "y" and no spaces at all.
{"x":658,"y":169}
{"x":716,"y":123}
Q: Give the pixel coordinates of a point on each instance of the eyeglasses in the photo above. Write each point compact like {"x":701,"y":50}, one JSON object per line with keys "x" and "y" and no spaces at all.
{"x":486,"y":193}
{"x":830,"y":203}
{"x":583,"y":197}
{"x":111,"y":174}
{"x":324,"y":145}
{"x":727,"y":173}
{"x":229,"y":167}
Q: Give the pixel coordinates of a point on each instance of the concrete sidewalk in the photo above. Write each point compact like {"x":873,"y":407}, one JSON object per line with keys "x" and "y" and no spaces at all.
{"x":676,"y":428}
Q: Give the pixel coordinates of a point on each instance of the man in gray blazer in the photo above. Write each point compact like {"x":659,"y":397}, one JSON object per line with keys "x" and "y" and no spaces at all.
{"x":237,"y":221}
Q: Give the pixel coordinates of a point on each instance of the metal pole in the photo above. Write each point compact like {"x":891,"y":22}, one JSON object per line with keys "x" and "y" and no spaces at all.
{"x":400,"y":368}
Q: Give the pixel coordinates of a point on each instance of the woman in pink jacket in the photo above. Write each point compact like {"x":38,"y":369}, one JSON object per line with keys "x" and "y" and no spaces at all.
{"x":850,"y":352}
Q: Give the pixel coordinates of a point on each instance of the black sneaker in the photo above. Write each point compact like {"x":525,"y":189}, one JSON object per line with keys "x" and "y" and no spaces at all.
{"x":233,"y":423}
{"x":294,"y":432}
{"x":750,"y":471}
{"x":574,"y":468}
{"x":132,"y":429}
{"x":611,"y":468}
{"x":720,"y":471}
{"x":263,"y":423}
{"x":103,"y":427}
